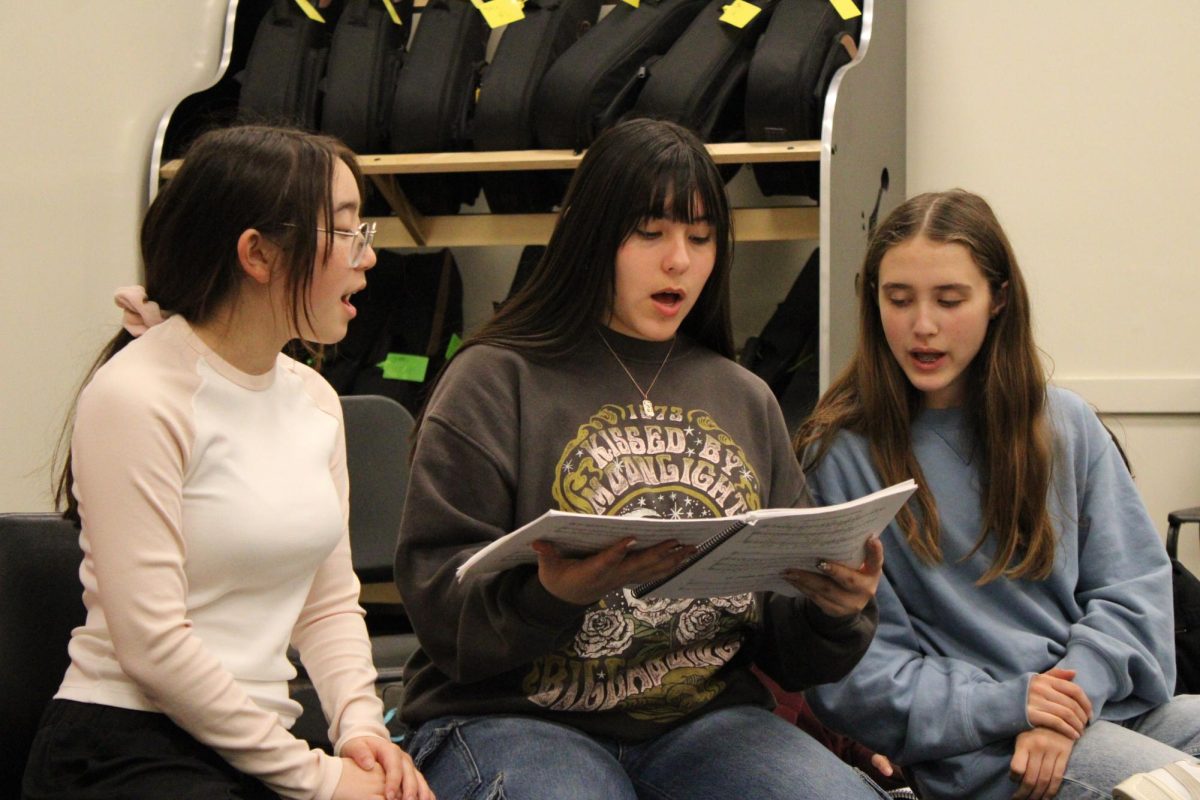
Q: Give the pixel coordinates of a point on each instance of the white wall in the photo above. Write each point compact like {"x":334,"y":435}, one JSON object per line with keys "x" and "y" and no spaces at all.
{"x":1077,"y":120}
{"x":84,"y":88}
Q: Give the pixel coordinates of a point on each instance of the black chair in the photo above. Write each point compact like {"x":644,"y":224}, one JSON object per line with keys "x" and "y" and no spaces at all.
{"x":1185,"y":596}
{"x":1176,"y":520}
{"x":41,"y":601}
{"x":378,"y":431}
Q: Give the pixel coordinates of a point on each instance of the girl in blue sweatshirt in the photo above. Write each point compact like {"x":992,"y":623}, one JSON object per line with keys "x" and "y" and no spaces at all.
{"x":1025,"y":644}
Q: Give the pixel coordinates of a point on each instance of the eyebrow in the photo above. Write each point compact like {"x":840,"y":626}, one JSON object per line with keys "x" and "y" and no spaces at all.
{"x":705,"y":220}
{"x":962,"y":287}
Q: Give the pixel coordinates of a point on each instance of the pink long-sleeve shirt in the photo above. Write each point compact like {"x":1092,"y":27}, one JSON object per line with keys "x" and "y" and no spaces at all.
{"x":214,"y":507}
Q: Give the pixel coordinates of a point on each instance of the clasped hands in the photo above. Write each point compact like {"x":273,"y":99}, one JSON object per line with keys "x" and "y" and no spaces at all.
{"x":1060,"y":711}
{"x":376,"y":769}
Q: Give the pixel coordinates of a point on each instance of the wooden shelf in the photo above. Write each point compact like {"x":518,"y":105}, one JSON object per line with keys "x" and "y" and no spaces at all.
{"x":478,"y":230}
{"x":510,"y":160}
{"x":408,"y":228}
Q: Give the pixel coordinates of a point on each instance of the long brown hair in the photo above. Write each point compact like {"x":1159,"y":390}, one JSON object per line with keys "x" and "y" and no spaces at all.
{"x":275,"y":180}
{"x":1005,"y":395}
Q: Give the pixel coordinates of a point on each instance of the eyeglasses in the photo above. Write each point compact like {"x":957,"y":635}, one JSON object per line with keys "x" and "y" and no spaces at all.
{"x":362,"y":236}
{"x":360,"y":241}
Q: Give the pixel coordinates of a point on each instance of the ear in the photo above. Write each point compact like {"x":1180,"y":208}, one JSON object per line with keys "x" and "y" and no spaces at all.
{"x":999,"y":300}
{"x":257,"y":255}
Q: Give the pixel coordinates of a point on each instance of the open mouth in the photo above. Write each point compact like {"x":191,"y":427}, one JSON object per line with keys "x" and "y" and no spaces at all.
{"x":922,"y":357}
{"x":669,"y":298}
{"x":346,"y":297}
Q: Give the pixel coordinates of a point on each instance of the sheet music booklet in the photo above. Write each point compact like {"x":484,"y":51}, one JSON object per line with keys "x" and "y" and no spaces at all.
{"x":742,"y":553}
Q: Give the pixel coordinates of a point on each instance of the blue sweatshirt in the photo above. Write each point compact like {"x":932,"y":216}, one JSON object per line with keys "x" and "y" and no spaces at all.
{"x":950,"y":665}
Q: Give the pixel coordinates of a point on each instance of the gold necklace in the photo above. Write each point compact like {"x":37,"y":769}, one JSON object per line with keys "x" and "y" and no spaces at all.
{"x":647,"y":406}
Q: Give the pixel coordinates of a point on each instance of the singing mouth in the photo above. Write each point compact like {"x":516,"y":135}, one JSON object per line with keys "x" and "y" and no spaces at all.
{"x":346,"y":297}
{"x":927,"y":357}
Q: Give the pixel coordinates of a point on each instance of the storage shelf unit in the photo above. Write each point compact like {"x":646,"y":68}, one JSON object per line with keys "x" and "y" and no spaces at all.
{"x":861,"y":154}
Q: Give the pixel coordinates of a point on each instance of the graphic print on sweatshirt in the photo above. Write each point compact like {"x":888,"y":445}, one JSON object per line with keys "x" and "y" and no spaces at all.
{"x":655,"y":660}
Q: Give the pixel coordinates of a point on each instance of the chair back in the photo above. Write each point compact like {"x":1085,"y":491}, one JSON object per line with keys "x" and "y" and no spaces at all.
{"x":41,"y":601}
{"x":378,"y":430}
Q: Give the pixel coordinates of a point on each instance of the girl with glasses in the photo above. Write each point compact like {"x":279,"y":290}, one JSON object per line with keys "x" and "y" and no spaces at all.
{"x":1025,"y":646}
{"x":208,"y":472}
{"x":607,"y":386}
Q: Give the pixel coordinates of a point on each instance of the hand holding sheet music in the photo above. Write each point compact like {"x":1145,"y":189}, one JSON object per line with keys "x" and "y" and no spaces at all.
{"x":743,"y":553}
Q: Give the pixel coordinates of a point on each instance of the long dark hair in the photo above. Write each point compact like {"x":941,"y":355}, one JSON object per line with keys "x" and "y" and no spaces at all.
{"x":637,"y":170}
{"x":277,"y":181}
{"x":1005,"y":395}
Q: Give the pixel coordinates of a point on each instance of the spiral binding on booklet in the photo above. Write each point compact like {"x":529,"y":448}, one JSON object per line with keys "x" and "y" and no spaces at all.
{"x":709,"y":544}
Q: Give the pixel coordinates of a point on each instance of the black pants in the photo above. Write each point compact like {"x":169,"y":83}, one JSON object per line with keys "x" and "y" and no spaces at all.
{"x":87,"y":751}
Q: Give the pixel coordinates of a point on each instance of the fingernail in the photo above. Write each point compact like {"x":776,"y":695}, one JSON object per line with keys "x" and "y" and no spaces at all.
{"x":823,"y":565}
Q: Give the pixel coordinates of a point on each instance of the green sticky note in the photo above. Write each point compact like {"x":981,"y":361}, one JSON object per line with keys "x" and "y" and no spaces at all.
{"x":739,"y":13}
{"x":453,"y":346}
{"x":404,"y":367}
{"x":847,"y":8}
{"x":498,"y":13}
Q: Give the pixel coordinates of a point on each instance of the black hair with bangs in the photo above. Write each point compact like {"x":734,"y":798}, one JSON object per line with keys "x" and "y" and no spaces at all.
{"x":637,"y":170}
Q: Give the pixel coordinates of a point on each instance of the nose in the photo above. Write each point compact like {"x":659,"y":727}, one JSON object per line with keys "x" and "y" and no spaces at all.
{"x":368,"y":260}
{"x":925,"y":323}
{"x":678,"y":256}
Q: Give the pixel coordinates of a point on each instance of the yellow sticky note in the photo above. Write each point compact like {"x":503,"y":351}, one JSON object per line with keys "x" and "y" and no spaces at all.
{"x":310,"y":11}
{"x":847,"y":8}
{"x":391,"y":9}
{"x":739,"y":13}
{"x":633,"y":3}
{"x":497,"y":13}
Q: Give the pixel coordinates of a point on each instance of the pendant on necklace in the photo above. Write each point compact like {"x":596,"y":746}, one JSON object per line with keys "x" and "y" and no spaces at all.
{"x":647,"y":407}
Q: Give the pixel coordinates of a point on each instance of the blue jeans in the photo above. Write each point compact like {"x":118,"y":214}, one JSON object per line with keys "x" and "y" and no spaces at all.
{"x":1106,"y":754}
{"x":742,"y":751}
{"x":1109,"y":752}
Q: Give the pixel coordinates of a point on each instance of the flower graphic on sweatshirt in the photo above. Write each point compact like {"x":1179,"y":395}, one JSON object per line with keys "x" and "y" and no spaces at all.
{"x":699,"y":622}
{"x":605,"y":632}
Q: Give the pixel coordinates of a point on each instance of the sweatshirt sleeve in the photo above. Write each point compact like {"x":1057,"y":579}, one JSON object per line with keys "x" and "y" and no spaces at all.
{"x":806,"y":646}
{"x":129,"y":453}
{"x":913,"y":706}
{"x":1122,"y":646}
{"x":331,"y":634}
{"x":460,"y":498}
{"x":899,"y":700}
